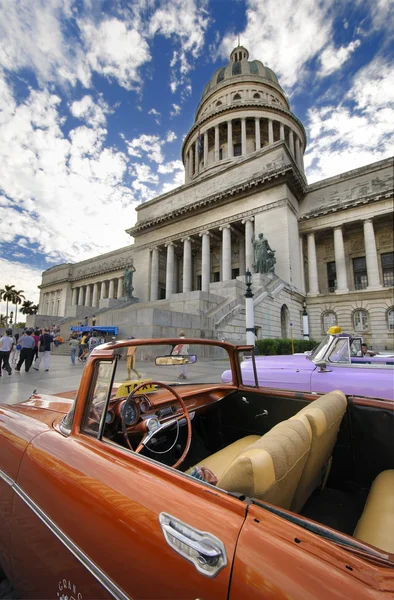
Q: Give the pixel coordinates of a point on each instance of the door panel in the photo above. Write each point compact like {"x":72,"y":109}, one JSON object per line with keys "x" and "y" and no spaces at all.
{"x":363,"y":381}
{"x":279,"y":560}
{"x":108,"y":501}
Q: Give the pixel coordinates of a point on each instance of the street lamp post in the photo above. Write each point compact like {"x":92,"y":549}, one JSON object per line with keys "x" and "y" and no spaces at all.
{"x":305,"y":322}
{"x":249,"y":310}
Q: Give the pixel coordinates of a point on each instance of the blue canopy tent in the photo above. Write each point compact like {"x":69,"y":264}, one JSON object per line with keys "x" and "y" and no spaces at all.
{"x":107,"y":330}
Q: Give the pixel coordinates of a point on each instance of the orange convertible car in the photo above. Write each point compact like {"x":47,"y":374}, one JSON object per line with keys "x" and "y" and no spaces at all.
{"x":179,"y":486}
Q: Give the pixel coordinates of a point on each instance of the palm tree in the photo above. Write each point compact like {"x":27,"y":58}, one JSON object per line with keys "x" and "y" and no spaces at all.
{"x":18,"y":295}
{"x":34,"y":309}
{"x":3,"y":321}
{"x":8,"y":295}
{"x":27,"y":307}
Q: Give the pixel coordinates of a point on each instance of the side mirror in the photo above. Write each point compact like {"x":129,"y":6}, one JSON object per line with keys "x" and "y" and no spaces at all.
{"x":323,"y":366}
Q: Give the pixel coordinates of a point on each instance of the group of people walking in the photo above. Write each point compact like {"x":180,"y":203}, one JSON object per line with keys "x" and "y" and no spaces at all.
{"x":19,"y":350}
{"x":82,"y":344}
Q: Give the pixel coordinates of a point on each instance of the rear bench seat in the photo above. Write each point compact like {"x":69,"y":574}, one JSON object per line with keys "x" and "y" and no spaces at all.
{"x":376,"y":525}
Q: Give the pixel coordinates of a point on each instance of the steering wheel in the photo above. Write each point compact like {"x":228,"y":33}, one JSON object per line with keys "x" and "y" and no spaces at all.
{"x":154,"y":425}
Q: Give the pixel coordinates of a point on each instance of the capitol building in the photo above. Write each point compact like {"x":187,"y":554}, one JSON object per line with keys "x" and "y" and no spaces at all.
{"x":244,"y":176}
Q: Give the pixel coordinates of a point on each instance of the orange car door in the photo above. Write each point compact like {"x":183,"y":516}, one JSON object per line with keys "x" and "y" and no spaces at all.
{"x":143,"y":530}
{"x":278,"y":560}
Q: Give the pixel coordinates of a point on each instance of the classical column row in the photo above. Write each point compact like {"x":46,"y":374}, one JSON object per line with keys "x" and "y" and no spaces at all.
{"x":90,"y":294}
{"x":197,"y":156}
{"x":245,"y":259}
{"x":371,"y":258}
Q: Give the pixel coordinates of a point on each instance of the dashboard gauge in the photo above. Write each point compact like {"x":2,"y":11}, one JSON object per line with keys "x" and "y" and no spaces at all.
{"x":109,"y":417}
{"x":144,"y":406}
{"x":130,"y":415}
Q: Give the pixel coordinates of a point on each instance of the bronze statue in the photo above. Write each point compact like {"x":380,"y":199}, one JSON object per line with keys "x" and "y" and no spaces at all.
{"x":128,"y":281}
{"x":264,"y":257}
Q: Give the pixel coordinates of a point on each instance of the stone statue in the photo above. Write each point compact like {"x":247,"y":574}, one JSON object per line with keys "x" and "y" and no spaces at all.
{"x":128,"y":282}
{"x":264,"y":257}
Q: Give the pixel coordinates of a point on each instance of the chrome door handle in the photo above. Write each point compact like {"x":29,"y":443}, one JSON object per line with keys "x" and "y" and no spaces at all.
{"x":201,"y":548}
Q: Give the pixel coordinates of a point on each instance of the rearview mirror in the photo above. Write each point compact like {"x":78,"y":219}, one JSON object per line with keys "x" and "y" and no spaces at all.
{"x":179,"y":359}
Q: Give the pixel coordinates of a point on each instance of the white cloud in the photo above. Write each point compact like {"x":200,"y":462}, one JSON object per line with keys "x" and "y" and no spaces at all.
{"x":155,"y":113}
{"x":86,"y":109}
{"x":170,"y":167}
{"x":179,"y":179}
{"x":333,"y":58}
{"x":176,"y":110}
{"x":171,"y":136}
{"x":149,"y":144}
{"x":23,"y":277}
{"x":115,"y":50}
{"x":358,"y":131}
{"x":144,"y":173}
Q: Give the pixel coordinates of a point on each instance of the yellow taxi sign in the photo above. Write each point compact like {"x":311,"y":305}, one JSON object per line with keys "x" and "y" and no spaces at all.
{"x":128,"y":386}
{"x":334,"y":330}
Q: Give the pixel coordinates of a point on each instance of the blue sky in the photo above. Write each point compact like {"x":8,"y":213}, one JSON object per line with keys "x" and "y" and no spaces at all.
{"x":96,"y":98}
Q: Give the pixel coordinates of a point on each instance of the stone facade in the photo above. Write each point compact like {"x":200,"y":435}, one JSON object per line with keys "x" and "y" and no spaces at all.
{"x":244,"y":176}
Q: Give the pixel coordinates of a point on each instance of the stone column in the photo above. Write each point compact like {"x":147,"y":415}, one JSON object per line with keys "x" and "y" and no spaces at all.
{"x":226,"y":252}
{"x":312,"y":265}
{"x":87,"y":297}
{"x":205,"y":261}
{"x":257,"y":132}
{"x":190,"y":162}
{"x":103,"y":290}
{"x":170,"y":270}
{"x":291,"y":142}
{"x":243,"y":136}
{"x":302,"y":265}
{"x":371,"y":256}
{"x":281,"y":131}
{"x":205,"y":149}
{"x":95,"y":295}
{"x":297,"y":152}
{"x":74,"y":297}
{"x":249,"y":253}
{"x":186,"y":168}
{"x":216,"y":143}
{"x":80,"y":296}
{"x":187,"y":265}
{"x":270,"y":132}
{"x":154,"y":275}
{"x":340,"y":261}
{"x":119,"y":292}
{"x":196,"y":157}
{"x":241,"y":250}
{"x":230,"y":152}
{"x":111,"y":291}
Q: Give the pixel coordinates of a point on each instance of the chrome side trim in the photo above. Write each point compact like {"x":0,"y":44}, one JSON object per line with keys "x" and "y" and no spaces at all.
{"x":6,"y":478}
{"x":97,"y":573}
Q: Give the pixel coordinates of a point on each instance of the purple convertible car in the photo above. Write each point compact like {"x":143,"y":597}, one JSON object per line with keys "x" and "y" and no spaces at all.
{"x":336,"y":364}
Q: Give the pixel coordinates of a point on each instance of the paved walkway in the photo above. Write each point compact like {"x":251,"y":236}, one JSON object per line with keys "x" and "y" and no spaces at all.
{"x":61,"y":377}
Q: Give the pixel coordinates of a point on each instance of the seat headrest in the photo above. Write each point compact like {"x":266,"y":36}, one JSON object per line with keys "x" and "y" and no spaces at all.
{"x":270,"y":468}
{"x":323,"y":412}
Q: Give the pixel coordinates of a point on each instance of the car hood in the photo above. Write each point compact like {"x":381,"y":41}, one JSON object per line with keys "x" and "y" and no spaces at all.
{"x":292,"y":361}
{"x":45,"y":407}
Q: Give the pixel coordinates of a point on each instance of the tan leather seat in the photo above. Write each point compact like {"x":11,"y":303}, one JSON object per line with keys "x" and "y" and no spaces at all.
{"x":324,"y":416}
{"x":268,"y":469}
{"x":376,"y":525}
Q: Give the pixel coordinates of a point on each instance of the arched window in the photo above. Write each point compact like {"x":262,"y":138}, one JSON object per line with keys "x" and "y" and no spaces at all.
{"x":256,"y":96}
{"x":220,"y":76}
{"x":390,"y":318}
{"x":237,"y":97}
{"x":329,"y":319}
{"x":285,"y":321}
{"x":360,"y":320}
{"x":236,"y":70}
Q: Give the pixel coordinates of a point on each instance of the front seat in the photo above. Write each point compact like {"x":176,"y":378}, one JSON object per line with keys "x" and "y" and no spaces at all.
{"x":325,"y":415}
{"x":268,"y":469}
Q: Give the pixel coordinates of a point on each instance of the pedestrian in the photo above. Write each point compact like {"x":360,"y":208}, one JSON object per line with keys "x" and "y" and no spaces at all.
{"x":26,"y":355}
{"x":86,"y":322}
{"x":93,"y":341}
{"x":74,"y":343}
{"x":16,"y":350}
{"x":84,"y":347}
{"x":6,"y":345}
{"x":44,"y":350}
{"x":93,"y":320}
{"x":130,"y":364}
{"x":182,"y":349}
{"x":36,"y":338}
